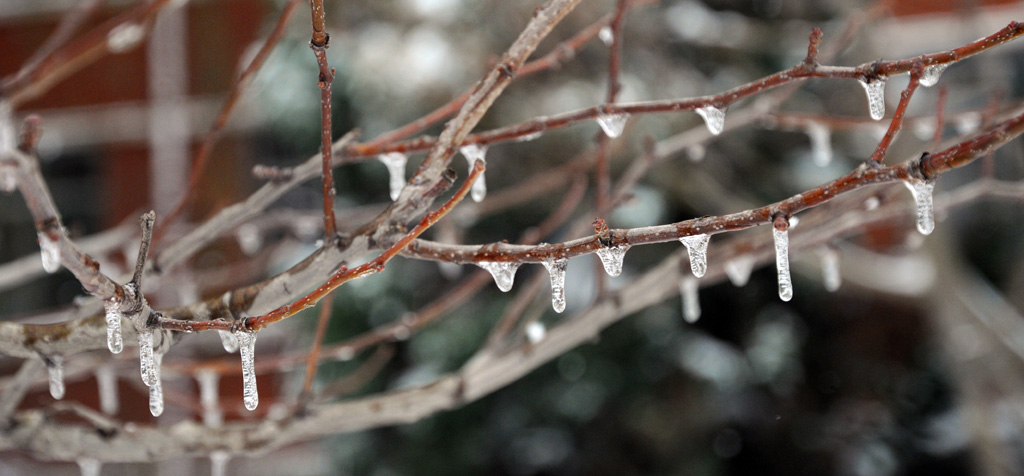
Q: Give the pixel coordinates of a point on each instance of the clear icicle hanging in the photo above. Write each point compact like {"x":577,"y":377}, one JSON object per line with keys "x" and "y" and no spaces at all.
{"x":612,"y":124}
{"x":106,"y":384}
{"x":830,"y":276}
{"x":612,"y":257}
{"x":697,"y":249}
{"x":146,"y":364}
{"x":738,"y":270}
{"x":782,"y":261}
{"x":556,"y":270}
{"x":156,"y":389}
{"x":55,"y":374}
{"x":209,"y":396}
{"x":247,"y":349}
{"x":930,"y":75}
{"x":395,"y":162}
{"x":50,"y":253}
{"x":535,"y":332}
{"x":688,"y":287}
{"x":112,"y":308}
{"x":472,"y":153}
{"x":821,"y":143}
{"x":249,"y":238}
{"x":714,"y":118}
{"x":89,"y":466}
{"x":876,"y":97}
{"x":229,"y":342}
{"x":504,"y":273}
{"x":219,"y":463}
{"x":922,"y":192}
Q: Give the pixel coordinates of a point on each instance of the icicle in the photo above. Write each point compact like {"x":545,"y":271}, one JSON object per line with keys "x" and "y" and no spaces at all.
{"x":606,"y":35}
{"x":556,"y":270}
{"x":612,"y":124}
{"x":611,"y":258}
{"x":8,"y":178}
{"x":697,"y":249}
{"x":821,"y":143}
{"x":714,"y":118}
{"x":876,"y":97}
{"x":219,"y":463}
{"x":738,"y":269}
{"x":504,"y":273}
{"x":156,"y":389}
{"x":89,"y":466}
{"x":395,"y":162}
{"x":830,"y":269}
{"x":229,"y":342}
{"x":249,"y":238}
{"x":922,"y":191}
{"x":691,"y":301}
{"x":931,"y":74}
{"x":146,"y":356}
{"x":113,"y":310}
{"x":472,"y":153}
{"x":535,"y":332}
{"x":106,"y":383}
{"x":209,"y":397}
{"x":124,"y":36}
{"x":50,"y":253}
{"x":782,"y":263}
{"x":55,"y":372}
{"x":247,"y":349}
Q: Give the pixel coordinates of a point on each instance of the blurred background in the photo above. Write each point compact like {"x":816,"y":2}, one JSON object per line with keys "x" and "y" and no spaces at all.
{"x":914,"y":366}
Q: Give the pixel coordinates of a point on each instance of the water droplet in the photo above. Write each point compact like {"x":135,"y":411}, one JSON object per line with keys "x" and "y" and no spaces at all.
{"x":55,"y":374}
{"x":697,"y":249}
{"x":612,"y":257}
{"x":247,"y":349}
{"x":50,"y":253}
{"x":738,"y":269}
{"x":106,"y":383}
{"x":125,"y":36}
{"x":209,"y":396}
{"x":556,"y":270}
{"x":922,"y":192}
{"x":714,"y":118}
{"x":876,"y":97}
{"x":782,"y":263}
{"x":930,"y":75}
{"x":691,"y":301}
{"x":830,"y":275}
{"x":535,"y":332}
{"x":156,"y":389}
{"x":249,"y":238}
{"x":606,"y":35}
{"x":229,"y":341}
{"x":395,"y":162}
{"x":219,"y":463}
{"x":113,"y":311}
{"x":472,"y":153}
{"x":504,"y":273}
{"x":612,"y":124}
{"x":821,"y":143}
{"x":89,"y":466}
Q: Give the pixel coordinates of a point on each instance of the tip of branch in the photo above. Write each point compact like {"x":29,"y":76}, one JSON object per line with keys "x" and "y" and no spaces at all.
{"x":814,"y":41}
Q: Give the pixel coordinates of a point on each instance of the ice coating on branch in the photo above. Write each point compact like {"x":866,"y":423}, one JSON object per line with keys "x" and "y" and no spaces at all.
{"x":209,"y":396}
{"x":612,"y":124}
{"x":830,"y":275}
{"x":782,"y":263}
{"x":714,"y":118}
{"x":112,"y":307}
{"x":395,"y":162}
{"x":922,"y":192}
{"x":50,"y":253}
{"x":535,"y":332}
{"x":697,"y":248}
{"x":249,"y":238}
{"x":606,"y":35}
{"x":930,"y":75}
{"x":691,"y":301}
{"x":247,"y":349}
{"x":556,"y":270}
{"x":612,"y":257}
{"x":89,"y":466}
{"x":876,"y":97}
{"x":156,"y":389}
{"x":106,"y":383}
{"x":738,"y":269}
{"x":821,"y":143}
{"x":219,"y":463}
{"x":124,"y":36}
{"x":504,"y":273}
{"x":229,"y":341}
{"x":530,"y":136}
{"x":146,"y":366}
{"x":472,"y":153}
{"x":55,"y":374}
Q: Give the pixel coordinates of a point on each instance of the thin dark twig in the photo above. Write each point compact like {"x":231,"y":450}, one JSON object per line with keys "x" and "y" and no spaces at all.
{"x":897,"y":119}
{"x":319,"y":44}
{"x":326,"y":306}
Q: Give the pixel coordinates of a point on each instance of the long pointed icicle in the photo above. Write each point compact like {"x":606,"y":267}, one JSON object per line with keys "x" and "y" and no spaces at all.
{"x":612,"y":257}
{"x":472,"y":153}
{"x":112,"y":308}
{"x":556,"y":270}
{"x":697,"y":249}
{"x":830,"y":275}
{"x":247,"y":349}
{"x":106,"y":384}
{"x":395,"y":162}
{"x":209,"y":397}
{"x":146,"y":356}
{"x":782,"y":259}
{"x":922,"y":192}
{"x":691,"y":300}
{"x":156,"y":389}
{"x":55,"y":374}
{"x":821,"y":143}
{"x":504,"y":273}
